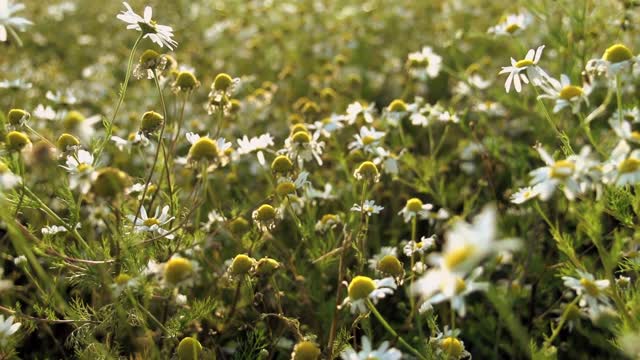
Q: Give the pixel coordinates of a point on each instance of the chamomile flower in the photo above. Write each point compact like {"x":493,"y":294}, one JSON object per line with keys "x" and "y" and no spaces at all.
{"x":362,"y":288}
{"x":424,"y":64}
{"x":449,"y":345}
{"x":367,"y":140}
{"x":77,"y":124}
{"x":159,"y":34}
{"x":591,"y":291}
{"x":624,"y":127}
{"x":357,"y":111}
{"x":222,"y":88}
{"x":565,"y":94}
{"x":153,"y":224}
{"x":440,"y":284}
{"x":44,"y":112}
{"x":615,"y":60}
{"x":524,"y":194}
{"x":7,"y":328}
{"x":204,"y":148}
{"x":562,"y":172}
{"x":414,"y":208}
{"x":257,"y":144}
{"x":368,"y":208}
{"x":64,"y":98}
{"x":8,"y":180}
{"x":419,"y":247}
{"x":266,"y":217}
{"x":328,"y":125}
{"x":623,"y":167}
{"x":511,"y":24}
{"x":524,"y":71}
{"x":384,"y":251}
{"x":80,"y":168}
{"x":9,"y":22}
{"x":383,"y":352}
{"x":467,"y":244}
{"x":304,"y":147}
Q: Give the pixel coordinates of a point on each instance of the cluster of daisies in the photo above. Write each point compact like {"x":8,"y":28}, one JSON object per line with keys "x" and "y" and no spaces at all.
{"x":577,"y":173}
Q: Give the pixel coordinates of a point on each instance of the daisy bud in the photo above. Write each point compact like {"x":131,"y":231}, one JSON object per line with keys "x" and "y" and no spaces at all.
{"x":310,"y":108}
{"x":73,"y":120}
{"x":298,"y":127}
{"x":281,"y":164}
{"x":267,"y":266}
{"x":390,"y":265}
{"x":241,"y":264}
{"x":203,"y":149}
{"x":397,"y":105}
{"x":151,"y":121}
{"x":285,"y":188}
{"x":305,"y":350}
{"x":328,"y":94}
{"x":617,"y":53}
{"x":239,"y":226}
{"x":414,"y":205}
{"x":177,"y":270}
{"x":367,"y":171}
{"x":222,"y":82}
{"x":186,"y":81}
{"x":66,"y":141}
{"x":360,"y":287}
{"x":110,"y":182}
{"x":150,"y":61}
{"x":265,"y":212}
{"x":17,"y":117}
{"x":189,"y":349}
{"x":301,"y":137}
{"x":452,"y":347}
{"x":16,"y":141}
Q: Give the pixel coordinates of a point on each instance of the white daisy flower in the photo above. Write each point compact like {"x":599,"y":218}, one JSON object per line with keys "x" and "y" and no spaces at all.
{"x":415,"y":208}
{"x":357,"y":110}
{"x":367,"y":140}
{"x":303,"y":147}
{"x":419,"y":247}
{"x":387,"y":160}
{"x":384,"y":251}
{"x":424,"y":64}
{"x":439,"y":285}
{"x":383,"y":352}
{"x":362,"y":288}
{"x":369,"y":208}
{"x":44,"y":112}
{"x":213,"y":217}
{"x":512,"y":24}
{"x":624,"y":127}
{"x":490,"y":108}
{"x":623,"y":167}
{"x":259,"y":143}
{"x":80,"y":168}
{"x":328,"y":125}
{"x":7,"y":328}
{"x":524,"y":70}
{"x":565,"y":94}
{"x":159,"y":34}
{"x":65,"y":98}
{"x":562,"y":172}
{"x":8,"y":180}
{"x":52,"y":230}
{"x":591,"y":291}
{"x":153,"y":224}
{"x":468,"y":244}
{"x":524,"y":194}
{"x":9,"y":23}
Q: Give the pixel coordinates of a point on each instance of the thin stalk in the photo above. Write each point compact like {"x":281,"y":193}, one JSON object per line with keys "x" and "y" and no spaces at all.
{"x":393,"y":333}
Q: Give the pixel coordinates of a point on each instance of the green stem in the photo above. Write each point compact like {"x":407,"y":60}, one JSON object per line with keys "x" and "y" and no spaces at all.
{"x":563,"y":319}
{"x":393,"y":333}
{"x":123,"y":92}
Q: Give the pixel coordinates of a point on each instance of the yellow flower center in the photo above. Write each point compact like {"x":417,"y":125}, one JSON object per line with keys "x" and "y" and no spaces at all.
{"x":617,"y":53}
{"x":368,"y":140}
{"x":589,"y":287}
{"x":452,"y":347}
{"x":458,"y":256}
{"x":414,"y":205}
{"x":524,"y":63}
{"x":629,"y":165}
{"x":562,"y":169}
{"x":511,"y":28}
{"x":83,"y":167}
{"x":360,"y":287}
{"x":635,"y":135}
{"x":570,"y":91}
{"x":151,"y":222}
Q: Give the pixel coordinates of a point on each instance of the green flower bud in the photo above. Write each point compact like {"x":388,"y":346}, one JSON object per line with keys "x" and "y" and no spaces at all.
{"x":151,"y":121}
{"x":305,"y":350}
{"x":222,"y":82}
{"x":189,"y":349}
{"x":110,"y":182}
{"x":281,"y":164}
{"x":67,"y":140}
{"x":17,"y":117}
{"x":177,"y":269}
{"x":241,"y":264}
{"x":204,"y":149}
{"x":16,"y":141}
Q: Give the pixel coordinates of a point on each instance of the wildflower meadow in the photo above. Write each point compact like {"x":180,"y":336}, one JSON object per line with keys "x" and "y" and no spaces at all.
{"x":319,"y":179}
